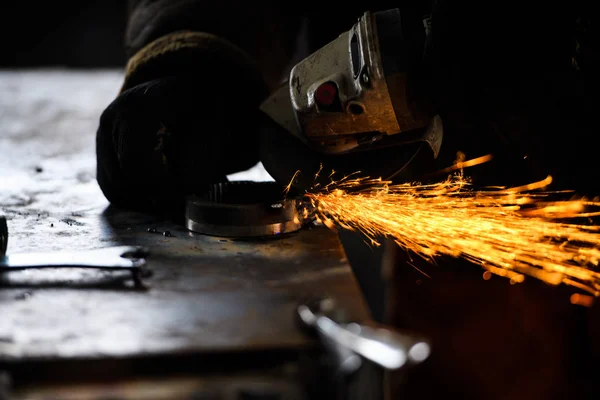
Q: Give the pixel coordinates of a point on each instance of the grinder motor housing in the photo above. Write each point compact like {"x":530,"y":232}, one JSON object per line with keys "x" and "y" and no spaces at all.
{"x":359,"y":92}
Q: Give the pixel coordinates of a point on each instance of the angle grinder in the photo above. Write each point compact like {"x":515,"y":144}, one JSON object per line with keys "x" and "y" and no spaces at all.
{"x":363,"y":91}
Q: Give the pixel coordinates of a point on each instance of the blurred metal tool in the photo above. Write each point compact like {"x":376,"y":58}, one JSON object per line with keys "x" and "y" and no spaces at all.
{"x":130,"y":258}
{"x":389,"y":349}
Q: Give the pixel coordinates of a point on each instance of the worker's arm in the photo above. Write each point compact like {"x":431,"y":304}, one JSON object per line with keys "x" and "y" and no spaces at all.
{"x":187,"y":112}
{"x":266,"y":34}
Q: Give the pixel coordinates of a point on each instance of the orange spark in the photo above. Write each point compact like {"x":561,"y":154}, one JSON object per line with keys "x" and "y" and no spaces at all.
{"x":460,"y":164}
{"x":287,"y":189}
{"x":582,"y":300}
{"x":511,"y":232}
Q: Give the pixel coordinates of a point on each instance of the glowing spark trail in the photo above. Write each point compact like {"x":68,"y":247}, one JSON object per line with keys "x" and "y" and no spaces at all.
{"x":511,"y":232}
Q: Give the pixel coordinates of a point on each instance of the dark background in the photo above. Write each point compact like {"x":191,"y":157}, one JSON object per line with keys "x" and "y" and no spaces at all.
{"x":81,"y":34}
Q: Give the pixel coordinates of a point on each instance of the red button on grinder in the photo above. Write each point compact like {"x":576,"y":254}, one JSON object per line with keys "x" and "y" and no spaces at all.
{"x":325,"y":94}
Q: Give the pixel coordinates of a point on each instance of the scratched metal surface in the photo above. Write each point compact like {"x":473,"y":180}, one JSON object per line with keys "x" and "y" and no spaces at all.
{"x":206,"y":293}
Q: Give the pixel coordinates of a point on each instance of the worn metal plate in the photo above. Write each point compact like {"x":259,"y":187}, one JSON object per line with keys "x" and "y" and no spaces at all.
{"x":206,"y":294}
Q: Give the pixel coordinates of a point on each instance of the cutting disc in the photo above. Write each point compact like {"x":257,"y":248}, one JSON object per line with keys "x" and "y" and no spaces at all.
{"x":243,"y":209}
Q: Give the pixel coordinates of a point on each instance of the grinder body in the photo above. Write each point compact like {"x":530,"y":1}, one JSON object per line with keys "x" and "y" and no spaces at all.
{"x":361,"y":91}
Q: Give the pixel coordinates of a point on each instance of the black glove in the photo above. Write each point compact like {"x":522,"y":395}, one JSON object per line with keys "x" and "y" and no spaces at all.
{"x":185,"y":118}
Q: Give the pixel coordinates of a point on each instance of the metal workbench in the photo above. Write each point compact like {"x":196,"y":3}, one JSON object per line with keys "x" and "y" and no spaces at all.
{"x":209,"y":302}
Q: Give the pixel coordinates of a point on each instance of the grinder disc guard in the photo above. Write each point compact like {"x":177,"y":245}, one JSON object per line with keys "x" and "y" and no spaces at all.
{"x":243,"y":209}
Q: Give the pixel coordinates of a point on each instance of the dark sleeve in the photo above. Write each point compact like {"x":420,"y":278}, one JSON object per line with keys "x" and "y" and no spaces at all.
{"x":272,"y":33}
{"x":266,"y":34}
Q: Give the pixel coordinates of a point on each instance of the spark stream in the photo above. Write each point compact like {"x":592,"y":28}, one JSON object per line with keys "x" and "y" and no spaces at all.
{"x":511,"y":232}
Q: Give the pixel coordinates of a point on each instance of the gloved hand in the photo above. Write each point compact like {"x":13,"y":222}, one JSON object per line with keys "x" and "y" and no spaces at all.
{"x":186,"y":117}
